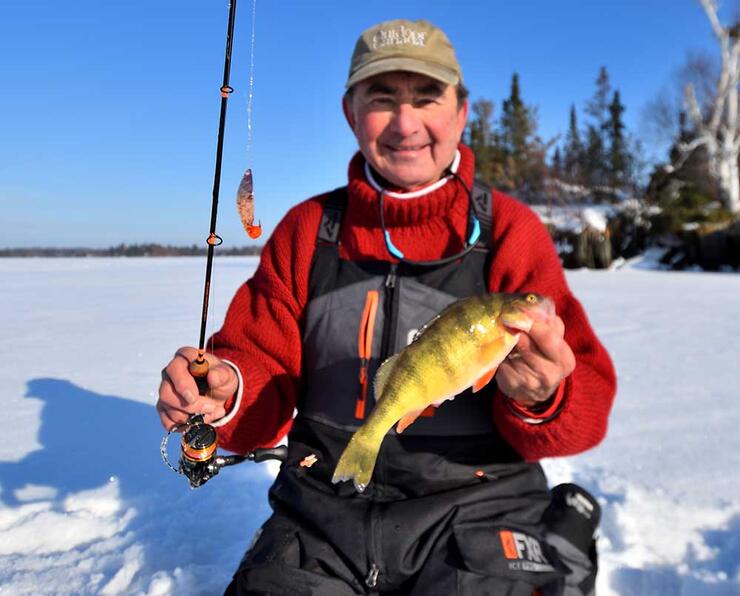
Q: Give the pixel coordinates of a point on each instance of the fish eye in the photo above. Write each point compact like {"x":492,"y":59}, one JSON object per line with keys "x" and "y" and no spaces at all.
{"x":531,"y":298}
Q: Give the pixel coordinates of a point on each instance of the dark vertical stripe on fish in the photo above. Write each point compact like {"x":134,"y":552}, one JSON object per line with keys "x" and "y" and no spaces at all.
{"x":406,"y":367}
{"x":463,"y":319}
{"x":442,"y":358}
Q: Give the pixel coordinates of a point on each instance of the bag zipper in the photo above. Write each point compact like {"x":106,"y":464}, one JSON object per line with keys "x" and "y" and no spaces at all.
{"x":365,"y":348}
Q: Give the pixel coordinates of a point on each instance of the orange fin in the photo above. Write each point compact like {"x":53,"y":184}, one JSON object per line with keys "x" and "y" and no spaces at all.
{"x":493,"y":352}
{"x":409,"y":418}
{"x":484,"y":380}
{"x":428,"y":412}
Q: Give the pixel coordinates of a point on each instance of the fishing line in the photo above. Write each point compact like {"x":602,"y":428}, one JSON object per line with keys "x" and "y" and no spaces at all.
{"x":250,"y":94}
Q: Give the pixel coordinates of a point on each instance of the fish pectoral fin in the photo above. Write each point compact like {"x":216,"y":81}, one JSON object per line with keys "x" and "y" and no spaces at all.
{"x":407,"y":420}
{"x":484,"y":380}
{"x":491,"y":356}
{"x":493,"y":353}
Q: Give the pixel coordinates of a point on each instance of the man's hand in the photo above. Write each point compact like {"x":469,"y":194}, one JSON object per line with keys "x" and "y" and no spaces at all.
{"x":178,"y":393}
{"x":537,"y":365}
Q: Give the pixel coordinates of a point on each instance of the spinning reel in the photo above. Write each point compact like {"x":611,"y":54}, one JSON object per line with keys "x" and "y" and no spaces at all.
{"x":199,"y":460}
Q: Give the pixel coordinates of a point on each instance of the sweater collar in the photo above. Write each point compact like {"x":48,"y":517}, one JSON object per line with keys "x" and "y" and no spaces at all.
{"x":404,"y":209}
{"x":429,"y":188}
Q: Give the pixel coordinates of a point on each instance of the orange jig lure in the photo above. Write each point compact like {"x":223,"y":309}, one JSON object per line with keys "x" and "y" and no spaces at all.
{"x":245,"y":205}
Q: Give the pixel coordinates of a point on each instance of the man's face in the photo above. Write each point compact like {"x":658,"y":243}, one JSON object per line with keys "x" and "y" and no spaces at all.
{"x":408,"y":126}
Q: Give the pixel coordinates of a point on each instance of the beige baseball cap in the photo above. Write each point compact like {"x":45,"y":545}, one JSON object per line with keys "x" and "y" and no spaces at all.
{"x":413,"y":46}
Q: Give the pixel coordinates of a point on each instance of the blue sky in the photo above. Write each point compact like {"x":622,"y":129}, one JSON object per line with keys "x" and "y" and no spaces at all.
{"x":109,"y":109}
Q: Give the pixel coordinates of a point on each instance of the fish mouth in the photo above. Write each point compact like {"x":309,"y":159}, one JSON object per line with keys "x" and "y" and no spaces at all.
{"x":522,"y":317}
{"x":514,"y":326}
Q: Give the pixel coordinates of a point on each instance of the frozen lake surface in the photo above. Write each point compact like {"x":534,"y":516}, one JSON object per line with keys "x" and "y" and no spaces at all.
{"x":87,"y":507}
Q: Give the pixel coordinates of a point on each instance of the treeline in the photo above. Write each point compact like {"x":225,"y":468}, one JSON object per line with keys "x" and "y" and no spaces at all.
{"x":593,"y":190}
{"x":129,"y":250}
{"x":598,"y":159}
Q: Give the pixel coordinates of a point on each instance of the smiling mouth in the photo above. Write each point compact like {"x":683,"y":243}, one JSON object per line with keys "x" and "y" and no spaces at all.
{"x":403,"y":148}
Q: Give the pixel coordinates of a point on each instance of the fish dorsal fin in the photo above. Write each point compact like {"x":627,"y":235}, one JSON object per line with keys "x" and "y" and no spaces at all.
{"x":439,"y":315}
{"x":426,"y":325}
{"x":382,"y":376}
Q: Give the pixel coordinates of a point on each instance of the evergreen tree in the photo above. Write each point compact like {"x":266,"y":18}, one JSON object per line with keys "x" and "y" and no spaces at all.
{"x":483,"y":141}
{"x":523,"y":152}
{"x":595,"y":164}
{"x":618,"y":155}
{"x":508,"y":153}
{"x":598,"y":106}
{"x":573,"y":152}
{"x":594,"y":158}
{"x":516,"y":122}
{"x":556,"y":165}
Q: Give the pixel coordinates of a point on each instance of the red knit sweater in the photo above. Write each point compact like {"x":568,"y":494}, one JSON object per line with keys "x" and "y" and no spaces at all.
{"x":262,"y":330}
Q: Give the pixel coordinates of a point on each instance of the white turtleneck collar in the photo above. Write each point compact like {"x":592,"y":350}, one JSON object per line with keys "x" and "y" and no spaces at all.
{"x":415,"y":193}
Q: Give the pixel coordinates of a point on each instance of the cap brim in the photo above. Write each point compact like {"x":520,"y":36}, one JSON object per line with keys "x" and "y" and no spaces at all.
{"x":435,"y":71}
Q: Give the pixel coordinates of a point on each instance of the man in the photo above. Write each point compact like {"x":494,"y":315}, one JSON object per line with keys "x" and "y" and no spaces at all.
{"x":456,"y":503}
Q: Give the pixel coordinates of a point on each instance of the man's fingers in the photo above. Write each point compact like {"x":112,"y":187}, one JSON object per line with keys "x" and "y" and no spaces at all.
{"x":170,"y":416}
{"x":187,"y":353}
{"x":514,"y":383}
{"x":547,"y":338}
{"x":169,"y":396}
{"x":223,"y":381}
{"x":543,"y":372}
{"x":178,"y":391}
{"x":173,"y":410}
{"x":183,"y":384}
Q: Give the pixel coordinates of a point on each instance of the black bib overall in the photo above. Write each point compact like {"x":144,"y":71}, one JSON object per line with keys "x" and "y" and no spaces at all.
{"x":452,"y":508}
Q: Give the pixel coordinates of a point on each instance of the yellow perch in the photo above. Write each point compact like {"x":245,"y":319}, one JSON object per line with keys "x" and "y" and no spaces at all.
{"x":462,"y":347}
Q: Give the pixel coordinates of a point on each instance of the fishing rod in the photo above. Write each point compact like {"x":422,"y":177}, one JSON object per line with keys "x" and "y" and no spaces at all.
{"x":199,"y":366}
{"x":199,"y":460}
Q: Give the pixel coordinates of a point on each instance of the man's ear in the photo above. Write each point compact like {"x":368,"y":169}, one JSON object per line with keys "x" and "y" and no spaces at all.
{"x":462,"y":117}
{"x":348,"y":113}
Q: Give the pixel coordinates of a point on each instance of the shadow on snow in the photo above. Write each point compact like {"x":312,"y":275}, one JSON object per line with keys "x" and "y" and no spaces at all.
{"x":87,"y":438}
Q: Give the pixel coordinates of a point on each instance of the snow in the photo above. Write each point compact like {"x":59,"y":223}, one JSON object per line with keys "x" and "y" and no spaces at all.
{"x":87,"y":507}
{"x":574,"y":218}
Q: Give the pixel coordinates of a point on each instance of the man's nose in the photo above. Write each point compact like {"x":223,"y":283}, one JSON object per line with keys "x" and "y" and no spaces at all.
{"x":405,"y":121}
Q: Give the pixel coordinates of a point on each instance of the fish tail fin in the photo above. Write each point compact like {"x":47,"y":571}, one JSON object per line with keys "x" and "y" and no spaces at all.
{"x":357,"y":461}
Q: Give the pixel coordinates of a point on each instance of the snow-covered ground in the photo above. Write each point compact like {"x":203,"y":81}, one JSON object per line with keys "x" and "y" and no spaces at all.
{"x":87,"y":507}
{"x":573,"y":218}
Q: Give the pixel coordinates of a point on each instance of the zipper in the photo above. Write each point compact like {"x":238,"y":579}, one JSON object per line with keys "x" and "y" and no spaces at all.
{"x":365,"y":348}
{"x":389,"y":309}
{"x":371,"y":543}
{"x":372,"y":577}
{"x":389,"y":333}
{"x":391,"y":323}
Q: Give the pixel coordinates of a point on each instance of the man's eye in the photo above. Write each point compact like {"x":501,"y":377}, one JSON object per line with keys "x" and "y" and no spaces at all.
{"x":425,"y":101}
{"x":381,"y":101}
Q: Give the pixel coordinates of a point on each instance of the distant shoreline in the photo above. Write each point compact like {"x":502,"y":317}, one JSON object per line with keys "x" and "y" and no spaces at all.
{"x":129,"y":250}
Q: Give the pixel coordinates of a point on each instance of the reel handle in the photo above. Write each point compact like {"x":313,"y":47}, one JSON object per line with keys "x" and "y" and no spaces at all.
{"x":259,"y":455}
